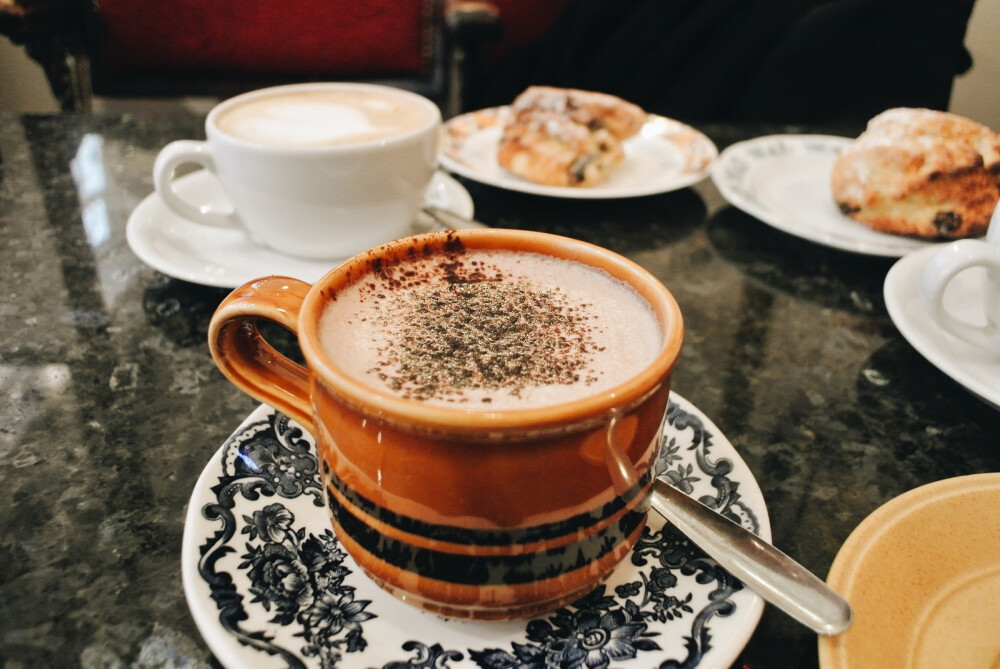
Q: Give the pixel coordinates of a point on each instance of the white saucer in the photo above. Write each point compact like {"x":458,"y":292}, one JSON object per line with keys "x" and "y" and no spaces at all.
{"x":269,"y":585}
{"x":227,"y":258}
{"x":784,"y":180}
{"x":975,"y":368}
{"x":666,"y":155}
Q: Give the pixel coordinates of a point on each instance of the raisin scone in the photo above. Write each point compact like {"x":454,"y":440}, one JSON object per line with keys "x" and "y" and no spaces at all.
{"x":567,"y":137}
{"x":920,"y":172}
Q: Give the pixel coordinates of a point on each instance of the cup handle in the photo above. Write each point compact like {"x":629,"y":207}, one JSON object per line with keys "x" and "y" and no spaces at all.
{"x":179,"y":153}
{"x":247,"y":360}
{"x":945,"y":266}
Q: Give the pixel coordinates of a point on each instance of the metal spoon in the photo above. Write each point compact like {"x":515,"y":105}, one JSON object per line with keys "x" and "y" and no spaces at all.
{"x":774,"y":576}
{"x":449,"y":219}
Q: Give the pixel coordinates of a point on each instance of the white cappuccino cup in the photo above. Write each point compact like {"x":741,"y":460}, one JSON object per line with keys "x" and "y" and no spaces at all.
{"x":323,"y":170}
{"x":955,"y":258}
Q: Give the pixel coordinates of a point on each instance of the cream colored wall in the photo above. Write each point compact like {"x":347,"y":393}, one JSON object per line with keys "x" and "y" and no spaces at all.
{"x":976,"y":94}
{"x":22,"y":83}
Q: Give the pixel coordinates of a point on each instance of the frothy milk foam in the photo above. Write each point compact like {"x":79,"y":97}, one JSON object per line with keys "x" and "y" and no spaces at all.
{"x":323,"y":118}
{"x":491,"y":330}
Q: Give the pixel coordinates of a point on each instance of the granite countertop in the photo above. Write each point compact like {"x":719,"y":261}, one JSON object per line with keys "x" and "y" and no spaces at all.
{"x":113,"y":407}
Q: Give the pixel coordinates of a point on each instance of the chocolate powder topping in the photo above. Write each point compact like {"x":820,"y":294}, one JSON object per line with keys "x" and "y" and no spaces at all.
{"x":487,"y":334}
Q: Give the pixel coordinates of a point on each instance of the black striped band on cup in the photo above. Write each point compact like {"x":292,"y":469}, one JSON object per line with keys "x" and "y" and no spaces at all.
{"x":476,"y":557}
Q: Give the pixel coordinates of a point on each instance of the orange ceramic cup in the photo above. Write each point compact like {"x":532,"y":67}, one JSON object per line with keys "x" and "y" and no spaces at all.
{"x":466,"y":513}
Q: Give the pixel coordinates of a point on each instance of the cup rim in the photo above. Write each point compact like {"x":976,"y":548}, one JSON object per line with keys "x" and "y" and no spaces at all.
{"x":391,"y":407}
{"x":213,"y":131}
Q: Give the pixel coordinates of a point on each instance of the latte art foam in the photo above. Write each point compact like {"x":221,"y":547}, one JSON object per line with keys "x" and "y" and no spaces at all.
{"x":322,"y":118}
{"x":490,"y":330}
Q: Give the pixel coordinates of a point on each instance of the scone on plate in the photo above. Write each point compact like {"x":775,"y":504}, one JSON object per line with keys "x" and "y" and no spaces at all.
{"x":566,"y":137}
{"x":920,"y":172}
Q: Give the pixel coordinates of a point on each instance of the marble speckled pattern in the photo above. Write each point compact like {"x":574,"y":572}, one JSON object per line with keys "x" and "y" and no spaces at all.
{"x":111,"y":406}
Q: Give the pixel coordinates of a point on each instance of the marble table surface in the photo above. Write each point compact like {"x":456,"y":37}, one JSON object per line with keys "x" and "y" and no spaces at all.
{"x":112,"y":405}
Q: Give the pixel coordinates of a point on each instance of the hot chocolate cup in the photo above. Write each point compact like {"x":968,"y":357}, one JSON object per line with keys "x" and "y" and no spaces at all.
{"x":321,"y":170}
{"x":464,"y":511}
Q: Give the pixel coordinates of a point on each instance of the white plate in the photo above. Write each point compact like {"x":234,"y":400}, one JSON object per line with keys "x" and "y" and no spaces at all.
{"x":784,"y":180}
{"x":269,"y":585}
{"x":975,"y":368}
{"x":666,"y":155}
{"x":225,"y":258}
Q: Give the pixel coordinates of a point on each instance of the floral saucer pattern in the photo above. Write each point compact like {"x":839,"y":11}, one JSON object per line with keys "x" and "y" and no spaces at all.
{"x":269,"y":585}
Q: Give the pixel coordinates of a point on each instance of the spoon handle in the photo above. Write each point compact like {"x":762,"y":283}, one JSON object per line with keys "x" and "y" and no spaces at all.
{"x":774,"y":576}
{"x":450,"y":219}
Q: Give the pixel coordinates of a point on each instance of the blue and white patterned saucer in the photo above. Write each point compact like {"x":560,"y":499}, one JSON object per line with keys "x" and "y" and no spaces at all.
{"x":269,"y":585}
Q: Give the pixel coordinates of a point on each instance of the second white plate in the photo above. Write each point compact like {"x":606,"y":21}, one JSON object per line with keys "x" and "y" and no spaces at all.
{"x":666,"y":155}
{"x":784,"y":180}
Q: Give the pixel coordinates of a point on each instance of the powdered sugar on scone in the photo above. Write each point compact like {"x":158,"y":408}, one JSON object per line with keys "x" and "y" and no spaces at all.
{"x":920,"y":172}
{"x":566,"y":137}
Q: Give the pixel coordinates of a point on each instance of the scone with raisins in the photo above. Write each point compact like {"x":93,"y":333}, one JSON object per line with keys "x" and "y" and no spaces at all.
{"x":920,"y":172}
